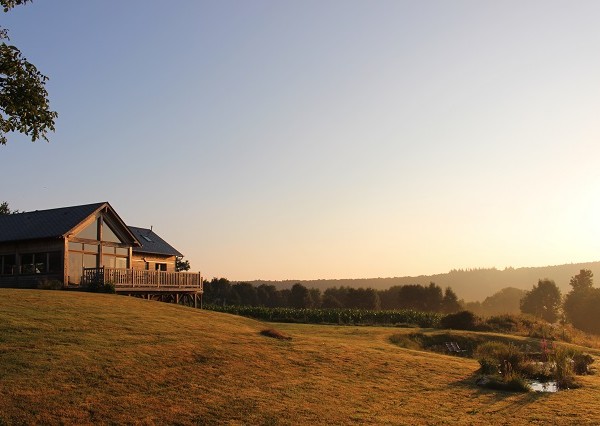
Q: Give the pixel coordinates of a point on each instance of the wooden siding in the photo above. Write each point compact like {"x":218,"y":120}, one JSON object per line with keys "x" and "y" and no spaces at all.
{"x":139,"y":260}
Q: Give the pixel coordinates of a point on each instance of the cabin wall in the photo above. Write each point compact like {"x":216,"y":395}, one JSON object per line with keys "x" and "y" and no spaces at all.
{"x":149,"y":261}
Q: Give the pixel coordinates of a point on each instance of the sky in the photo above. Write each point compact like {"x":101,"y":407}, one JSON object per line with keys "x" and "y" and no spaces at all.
{"x":322,"y":139}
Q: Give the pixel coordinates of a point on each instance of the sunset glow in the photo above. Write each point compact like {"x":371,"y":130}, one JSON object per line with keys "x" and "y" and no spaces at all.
{"x":337,"y":139}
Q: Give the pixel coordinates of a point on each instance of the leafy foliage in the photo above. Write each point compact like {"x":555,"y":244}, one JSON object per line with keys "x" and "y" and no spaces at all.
{"x":23,"y":96}
{"x":5,"y":209}
{"x":181,"y":265}
{"x":505,"y":301}
{"x":463,"y":320}
{"x":583,"y":280}
{"x":543,"y":301}
{"x":100,"y":287}
{"x":581,"y":304}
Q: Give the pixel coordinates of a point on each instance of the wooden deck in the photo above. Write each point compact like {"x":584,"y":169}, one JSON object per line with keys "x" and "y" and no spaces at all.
{"x":137,"y":280}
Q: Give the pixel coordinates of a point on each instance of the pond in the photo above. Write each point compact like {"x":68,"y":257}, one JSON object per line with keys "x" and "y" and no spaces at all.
{"x":538,"y":386}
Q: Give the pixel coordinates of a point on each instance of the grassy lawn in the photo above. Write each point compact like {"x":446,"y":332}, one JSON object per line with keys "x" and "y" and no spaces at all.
{"x":78,"y":358}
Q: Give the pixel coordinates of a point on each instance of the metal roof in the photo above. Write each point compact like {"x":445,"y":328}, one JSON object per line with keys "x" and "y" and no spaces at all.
{"x":52,"y":223}
{"x":152,"y":243}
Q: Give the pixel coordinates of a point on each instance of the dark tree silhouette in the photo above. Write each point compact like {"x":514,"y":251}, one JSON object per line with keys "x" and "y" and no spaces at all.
{"x":300,"y":297}
{"x":543,"y":301}
{"x":581,"y":304}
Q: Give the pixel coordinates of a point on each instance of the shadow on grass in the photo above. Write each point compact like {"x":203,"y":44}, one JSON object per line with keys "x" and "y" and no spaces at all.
{"x":499,"y":395}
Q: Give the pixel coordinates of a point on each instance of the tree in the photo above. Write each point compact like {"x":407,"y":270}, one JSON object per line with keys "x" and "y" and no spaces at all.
{"x":181,"y":265}
{"x":300,"y":297}
{"x":315,"y":297}
{"x":450,"y":302}
{"x":24,"y":101}
{"x":218,"y":292}
{"x":543,"y":301}
{"x":245,"y":294}
{"x":5,"y":209}
{"x":581,"y":304}
{"x":584,"y":279}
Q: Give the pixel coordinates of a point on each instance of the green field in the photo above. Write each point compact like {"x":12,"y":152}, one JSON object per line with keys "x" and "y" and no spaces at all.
{"x":77,"y":358}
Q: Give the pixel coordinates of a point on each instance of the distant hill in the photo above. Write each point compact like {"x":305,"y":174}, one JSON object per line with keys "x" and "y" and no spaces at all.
{"x":470,"y":285}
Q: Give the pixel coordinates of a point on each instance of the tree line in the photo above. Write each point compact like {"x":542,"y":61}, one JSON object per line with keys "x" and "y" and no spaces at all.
{"x":578,"y":307}
{"x":220,"y":291}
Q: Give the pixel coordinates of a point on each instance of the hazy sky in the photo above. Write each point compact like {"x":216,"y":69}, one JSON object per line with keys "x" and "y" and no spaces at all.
{"x":322,"y":139}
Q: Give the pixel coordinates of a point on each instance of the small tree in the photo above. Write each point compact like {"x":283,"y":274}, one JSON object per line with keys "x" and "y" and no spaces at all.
{"x":5,"y":209}
{"x":543,"y":301}
{"x":181,"y":265}
{"x":450,"y":302}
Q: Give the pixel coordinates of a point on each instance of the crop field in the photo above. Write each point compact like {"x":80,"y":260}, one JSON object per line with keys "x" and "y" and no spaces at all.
{"x":345,"y":316}
{"x":76,"y":358}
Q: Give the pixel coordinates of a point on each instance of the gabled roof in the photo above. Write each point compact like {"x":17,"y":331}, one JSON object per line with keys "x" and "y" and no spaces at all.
{"x":152,"y":243}
{"x":53,"y":223}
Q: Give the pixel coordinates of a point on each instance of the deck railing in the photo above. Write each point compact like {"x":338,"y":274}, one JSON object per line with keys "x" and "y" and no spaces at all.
{"x":143,"y":279}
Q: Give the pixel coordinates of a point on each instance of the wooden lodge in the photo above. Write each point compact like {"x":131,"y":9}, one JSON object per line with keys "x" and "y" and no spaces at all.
{"x":90,"y":244}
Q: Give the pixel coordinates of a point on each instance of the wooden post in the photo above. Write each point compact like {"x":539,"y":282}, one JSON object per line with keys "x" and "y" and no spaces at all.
{"x":66,"y":262}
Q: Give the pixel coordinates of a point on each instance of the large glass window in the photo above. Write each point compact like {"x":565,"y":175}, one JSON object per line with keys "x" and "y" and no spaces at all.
{"x":75,"y":246}
{"x":108,"y":261}
{"x":90,"y":232}
{"x":122,"y":251}
{"x":90,"y":248}
{"x":75,"y":267}
{"x":54,"y":262}
{"x":8,"y":264}
{"x":108,"y":234}
{"x":121,"y":262}
{"x":90,"y":260}
{"x":40,"y":262}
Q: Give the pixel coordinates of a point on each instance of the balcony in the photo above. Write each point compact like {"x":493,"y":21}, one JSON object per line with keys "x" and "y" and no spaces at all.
{"x":139,"y":280}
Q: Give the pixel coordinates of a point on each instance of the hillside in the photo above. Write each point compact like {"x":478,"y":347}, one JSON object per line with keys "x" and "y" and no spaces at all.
{"x":78,"y":358}
{"x":470,"y":285}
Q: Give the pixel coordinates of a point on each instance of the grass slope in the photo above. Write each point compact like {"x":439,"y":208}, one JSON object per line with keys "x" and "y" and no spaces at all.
{"x":80,"y":358}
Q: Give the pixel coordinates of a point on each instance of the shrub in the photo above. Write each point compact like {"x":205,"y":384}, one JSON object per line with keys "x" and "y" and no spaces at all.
{"x":50,"y":285}
{"x":99,"y":287}
{"x":488,"y":366}
{"x":505,"y":323}
{"x":562,"y":358}
{"x":463,"y":320}
{"x":507,"y":358}
{"x":581,"y":363}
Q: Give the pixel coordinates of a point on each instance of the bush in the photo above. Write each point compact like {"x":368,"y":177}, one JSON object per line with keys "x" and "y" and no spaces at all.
{"x":505,"y":323}
{"x":50,"y":285}
{"x":99,"y":287}
{"x":463,"y":320}
{"x":488,"y":366}
{"x":562,"y":358}
{"x":581,"y":363}
{"x":506,"y":358}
